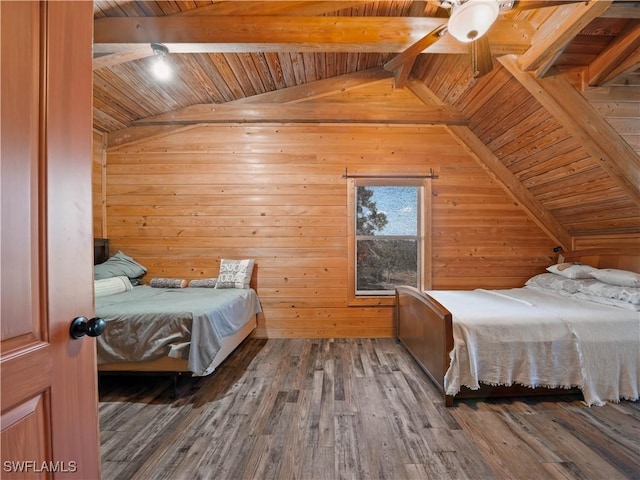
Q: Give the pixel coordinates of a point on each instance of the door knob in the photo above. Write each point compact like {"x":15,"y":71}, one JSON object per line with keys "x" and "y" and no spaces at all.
{"x":81,"y":327}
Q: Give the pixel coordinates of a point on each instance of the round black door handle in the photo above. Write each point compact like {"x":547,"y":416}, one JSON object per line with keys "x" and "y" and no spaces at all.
{"x":80,"y":327}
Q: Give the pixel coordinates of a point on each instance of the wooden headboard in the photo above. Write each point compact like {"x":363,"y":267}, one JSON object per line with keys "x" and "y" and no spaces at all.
{"x":100,"y":250}
{"x":624,"y":259}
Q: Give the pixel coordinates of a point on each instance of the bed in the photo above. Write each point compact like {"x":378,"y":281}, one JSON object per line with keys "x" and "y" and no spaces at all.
{"x":171,"y":330}
{"x":526,"y":341}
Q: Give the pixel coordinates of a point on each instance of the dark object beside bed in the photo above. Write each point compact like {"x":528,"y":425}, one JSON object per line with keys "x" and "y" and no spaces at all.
{"x":100,"y":250}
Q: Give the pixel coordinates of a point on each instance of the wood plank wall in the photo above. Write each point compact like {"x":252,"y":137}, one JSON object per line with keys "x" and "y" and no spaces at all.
{"x":276,"y":193}
{"x":99,"y":157}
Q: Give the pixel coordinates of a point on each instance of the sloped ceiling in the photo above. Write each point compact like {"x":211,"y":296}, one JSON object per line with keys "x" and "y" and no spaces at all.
{"x":557,"y":120}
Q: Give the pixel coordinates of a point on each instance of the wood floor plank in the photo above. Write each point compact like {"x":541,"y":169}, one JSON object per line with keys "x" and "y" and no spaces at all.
{"x":508,"y":457}
{"x":382,"y":454}
{"x":561,"y":437}
{"x":316,"y":409}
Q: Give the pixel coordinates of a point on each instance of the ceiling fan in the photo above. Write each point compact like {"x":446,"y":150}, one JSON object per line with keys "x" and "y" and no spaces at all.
{"x":469,"y":21}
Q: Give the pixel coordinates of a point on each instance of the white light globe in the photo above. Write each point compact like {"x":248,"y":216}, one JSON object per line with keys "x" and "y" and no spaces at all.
{"x":161,"y":69}
{"x":472,"y":19}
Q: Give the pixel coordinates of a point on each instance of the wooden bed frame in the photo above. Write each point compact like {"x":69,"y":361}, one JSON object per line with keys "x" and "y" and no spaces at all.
{"x":424,"y":327}
{"x":166,"y":365}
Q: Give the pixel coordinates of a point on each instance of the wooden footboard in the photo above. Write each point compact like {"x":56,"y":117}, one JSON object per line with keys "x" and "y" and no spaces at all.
{"x":424,"y":327}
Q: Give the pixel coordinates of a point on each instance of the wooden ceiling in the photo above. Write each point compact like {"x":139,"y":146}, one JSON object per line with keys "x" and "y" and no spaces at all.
{"x":557,"y":120}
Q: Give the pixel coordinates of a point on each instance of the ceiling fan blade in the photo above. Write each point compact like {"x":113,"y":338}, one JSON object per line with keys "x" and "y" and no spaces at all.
{"x":481,"y":60}
{"x":411,"y":52}
{"x":532,"y":4}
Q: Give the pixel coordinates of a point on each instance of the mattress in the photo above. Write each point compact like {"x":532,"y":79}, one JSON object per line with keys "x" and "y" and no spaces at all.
{"x":188,"y":323}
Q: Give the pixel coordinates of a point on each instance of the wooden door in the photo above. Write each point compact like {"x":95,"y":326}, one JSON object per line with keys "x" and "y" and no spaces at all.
{"x":48,"y":412}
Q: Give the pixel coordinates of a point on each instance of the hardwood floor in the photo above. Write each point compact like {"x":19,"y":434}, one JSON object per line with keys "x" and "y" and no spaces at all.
{"x":352,"y":409}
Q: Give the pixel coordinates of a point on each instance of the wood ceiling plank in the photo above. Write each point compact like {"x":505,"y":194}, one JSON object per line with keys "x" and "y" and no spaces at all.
{"x":552,"y":158}
{"x":482,"y":93}
{"x":537,"y":174}
{"x":200,"y":34}
{"x":521,"y":140}
{"x":505,"y":108}
{"x":552,"y":37}
{"x":310,"y":113}
{"x":595,"y":134}
{"x":623,"y":10}
{"x":499,"y":173}
{"x":461,"y":79}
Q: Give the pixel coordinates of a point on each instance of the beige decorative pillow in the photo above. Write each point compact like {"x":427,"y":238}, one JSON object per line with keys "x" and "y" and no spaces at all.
{"x":235,"y":273}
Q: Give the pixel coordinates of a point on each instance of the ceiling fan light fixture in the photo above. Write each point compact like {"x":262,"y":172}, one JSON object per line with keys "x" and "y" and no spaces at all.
{"x":472,"y":19}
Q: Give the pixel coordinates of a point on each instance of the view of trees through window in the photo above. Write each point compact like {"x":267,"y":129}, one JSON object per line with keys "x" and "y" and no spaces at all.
{"x":387,"y":241}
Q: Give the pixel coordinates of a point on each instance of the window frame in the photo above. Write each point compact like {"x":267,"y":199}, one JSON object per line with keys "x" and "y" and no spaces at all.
{"x":423,"y":234}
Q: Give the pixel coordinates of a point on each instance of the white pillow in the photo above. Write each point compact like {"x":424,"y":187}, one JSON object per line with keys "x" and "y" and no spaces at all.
{"x":550,"y":281}
{"x":600,"y":289}
{"x":572,"y":270}
{"x":606,"y":301}
{"x":111,"y":286}
{"x":612,"y":276}
{"x":235,"y":273}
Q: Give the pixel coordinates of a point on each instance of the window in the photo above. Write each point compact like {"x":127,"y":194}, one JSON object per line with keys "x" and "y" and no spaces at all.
{"x":387,"y":226}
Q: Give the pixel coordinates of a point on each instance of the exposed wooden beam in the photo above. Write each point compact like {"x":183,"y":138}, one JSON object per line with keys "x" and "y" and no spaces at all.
{"x":382,"y":113}
{"x":626,"y":44}
{"x":262,"y":7}
{"x":127,"y":136}
{"x":500,"y":173}
{"x":630,"y":64}
{"x":553,"y":36}
{"x":111,"y":59}
{"x":319,"y":88}
{"x":402,"y":64}
{"x":212,"y":33}
{"x":561,"y":99}
{"x":277,"y":7}
{"x":299,"y":93}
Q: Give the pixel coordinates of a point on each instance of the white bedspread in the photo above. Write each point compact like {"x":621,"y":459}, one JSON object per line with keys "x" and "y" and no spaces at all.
{"x":533,"y":338}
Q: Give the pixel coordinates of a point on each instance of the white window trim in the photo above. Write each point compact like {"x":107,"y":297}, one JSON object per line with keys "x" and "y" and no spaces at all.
{"x":424,"y":236}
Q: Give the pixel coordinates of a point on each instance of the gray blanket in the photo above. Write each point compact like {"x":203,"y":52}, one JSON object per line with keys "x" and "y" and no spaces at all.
{"x":187,"y":323}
